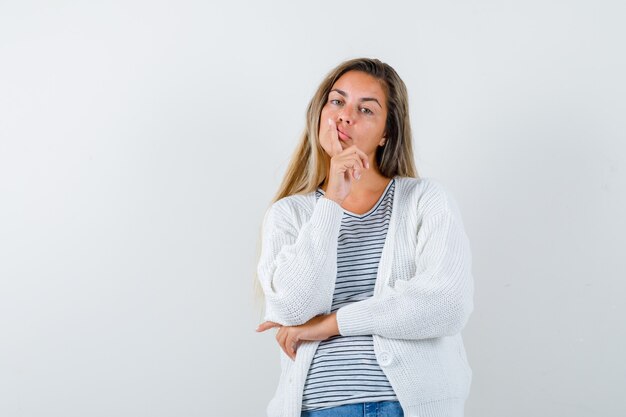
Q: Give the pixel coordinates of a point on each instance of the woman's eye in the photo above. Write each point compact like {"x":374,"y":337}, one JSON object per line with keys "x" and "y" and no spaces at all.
{"x":367,"y":111}
{"x":335,"y":101}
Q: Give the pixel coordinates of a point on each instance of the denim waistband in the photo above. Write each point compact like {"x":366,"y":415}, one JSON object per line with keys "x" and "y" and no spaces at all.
{"x":367,"y":409}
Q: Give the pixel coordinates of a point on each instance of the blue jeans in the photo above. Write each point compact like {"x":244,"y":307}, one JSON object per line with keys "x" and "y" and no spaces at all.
{"x":370,"y":409}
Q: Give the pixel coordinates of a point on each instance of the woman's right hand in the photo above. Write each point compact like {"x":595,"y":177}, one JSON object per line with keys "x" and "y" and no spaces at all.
{"x":346,"y":165}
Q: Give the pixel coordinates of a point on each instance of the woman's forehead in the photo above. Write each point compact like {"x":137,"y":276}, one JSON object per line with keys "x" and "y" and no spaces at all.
{"x":360,"y":84}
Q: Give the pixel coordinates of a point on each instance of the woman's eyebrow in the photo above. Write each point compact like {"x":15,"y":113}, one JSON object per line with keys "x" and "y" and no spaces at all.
{"x":343,"y":93}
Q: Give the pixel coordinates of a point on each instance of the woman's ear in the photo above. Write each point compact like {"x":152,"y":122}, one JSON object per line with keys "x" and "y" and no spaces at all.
{"x":383,"y":139}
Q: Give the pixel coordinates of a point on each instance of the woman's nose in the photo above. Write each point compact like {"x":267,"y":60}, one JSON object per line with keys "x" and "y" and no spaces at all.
{"x":345,"y":116}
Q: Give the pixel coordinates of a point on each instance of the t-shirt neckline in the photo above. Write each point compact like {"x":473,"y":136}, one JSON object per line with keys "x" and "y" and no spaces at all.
{"x":374,"y":207}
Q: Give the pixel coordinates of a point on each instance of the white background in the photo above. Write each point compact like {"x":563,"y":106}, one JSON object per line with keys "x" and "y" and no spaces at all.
{"x":141,"y":142}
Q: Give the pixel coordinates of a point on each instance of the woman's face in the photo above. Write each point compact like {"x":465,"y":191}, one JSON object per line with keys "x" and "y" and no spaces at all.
{"x":358,"y":105}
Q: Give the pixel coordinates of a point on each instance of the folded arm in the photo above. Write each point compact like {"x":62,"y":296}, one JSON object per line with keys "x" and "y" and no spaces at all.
{"x":436,"y":301}
{"x":297,"y":267}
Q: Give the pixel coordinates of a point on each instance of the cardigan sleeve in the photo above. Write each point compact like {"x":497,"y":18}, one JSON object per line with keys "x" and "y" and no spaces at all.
{"x":298,"y":265}
{"x":436,"y":301}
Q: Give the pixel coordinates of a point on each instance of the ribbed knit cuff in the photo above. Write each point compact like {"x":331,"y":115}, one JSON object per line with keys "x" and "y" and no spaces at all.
{"x":356,"y":319}
{"x":327,"y":215}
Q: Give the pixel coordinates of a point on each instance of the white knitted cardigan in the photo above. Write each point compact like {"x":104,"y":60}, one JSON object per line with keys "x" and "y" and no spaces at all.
{"x":422,"y":298}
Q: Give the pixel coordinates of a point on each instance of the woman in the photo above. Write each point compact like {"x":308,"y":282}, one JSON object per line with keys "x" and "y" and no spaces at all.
{"x":365,"y":269}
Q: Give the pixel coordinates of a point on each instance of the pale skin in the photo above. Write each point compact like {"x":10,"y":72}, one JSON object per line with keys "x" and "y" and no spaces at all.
{"x":352,"y":127}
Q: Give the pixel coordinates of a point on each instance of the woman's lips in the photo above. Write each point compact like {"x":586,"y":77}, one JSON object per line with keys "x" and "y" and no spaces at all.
{"x":342,"y":135}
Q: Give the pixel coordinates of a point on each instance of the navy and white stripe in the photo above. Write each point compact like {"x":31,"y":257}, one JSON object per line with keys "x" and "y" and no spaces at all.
{"x":344,"y":369}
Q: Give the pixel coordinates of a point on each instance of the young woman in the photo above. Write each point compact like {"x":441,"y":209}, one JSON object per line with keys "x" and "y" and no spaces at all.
{"x":365,"y":268}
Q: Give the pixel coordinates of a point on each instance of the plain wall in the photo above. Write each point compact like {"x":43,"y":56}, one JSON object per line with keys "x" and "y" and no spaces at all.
{"x":141,"y":143}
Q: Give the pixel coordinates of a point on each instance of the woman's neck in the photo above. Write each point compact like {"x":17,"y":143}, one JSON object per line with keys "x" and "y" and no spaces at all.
{"x":371,"y":181}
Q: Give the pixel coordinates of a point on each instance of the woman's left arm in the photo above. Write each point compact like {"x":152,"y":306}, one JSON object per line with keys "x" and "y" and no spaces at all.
{"x":436,"y":301}
{"x":289,"y":337}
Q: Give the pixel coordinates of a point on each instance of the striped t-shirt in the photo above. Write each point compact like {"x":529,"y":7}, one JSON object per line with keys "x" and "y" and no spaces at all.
{"x":344,"y":369}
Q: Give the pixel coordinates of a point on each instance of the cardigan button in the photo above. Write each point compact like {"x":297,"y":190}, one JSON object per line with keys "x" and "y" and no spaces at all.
{"x":385,"y":358}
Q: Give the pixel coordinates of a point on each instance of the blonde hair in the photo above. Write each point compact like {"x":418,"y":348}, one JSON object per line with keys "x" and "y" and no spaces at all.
{"x":309,"y":163}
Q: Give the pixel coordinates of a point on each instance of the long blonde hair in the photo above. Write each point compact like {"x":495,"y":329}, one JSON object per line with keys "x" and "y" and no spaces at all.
{"x":309,"y":163}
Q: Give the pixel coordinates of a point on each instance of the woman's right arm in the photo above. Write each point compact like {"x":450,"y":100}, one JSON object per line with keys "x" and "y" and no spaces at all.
{"x":297,"y":268}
